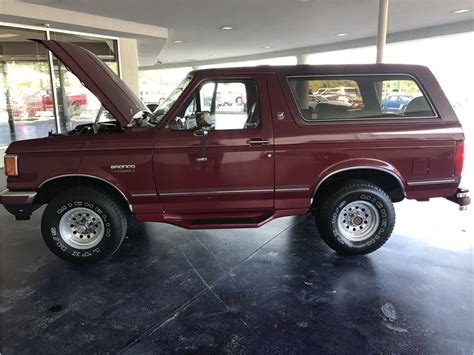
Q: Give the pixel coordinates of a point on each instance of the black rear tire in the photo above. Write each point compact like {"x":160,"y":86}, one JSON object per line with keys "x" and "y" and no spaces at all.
{"x":357,"y":219}
{"x":83,"y":225}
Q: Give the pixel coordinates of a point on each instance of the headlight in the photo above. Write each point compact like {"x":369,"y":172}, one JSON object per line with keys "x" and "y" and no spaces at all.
{"x":11,"y":165}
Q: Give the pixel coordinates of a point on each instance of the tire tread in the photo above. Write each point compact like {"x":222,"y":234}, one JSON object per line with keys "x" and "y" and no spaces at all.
{"x":324,"y":215}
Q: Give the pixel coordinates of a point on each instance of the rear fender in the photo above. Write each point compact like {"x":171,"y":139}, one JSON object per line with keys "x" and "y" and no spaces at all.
{"x":356,"y":164}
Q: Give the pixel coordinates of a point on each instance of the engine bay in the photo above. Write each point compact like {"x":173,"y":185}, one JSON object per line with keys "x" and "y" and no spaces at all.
{"x":93,"y":128}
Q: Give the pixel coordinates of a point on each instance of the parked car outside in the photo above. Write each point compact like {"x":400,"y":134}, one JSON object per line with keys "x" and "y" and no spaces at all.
{"x":351,"y":101}
{"x":17,"y":108}
{"x":36,"y":103}
{"x":314,"y":100}
{"x":341,"y":91}
{"x":396,"y":103}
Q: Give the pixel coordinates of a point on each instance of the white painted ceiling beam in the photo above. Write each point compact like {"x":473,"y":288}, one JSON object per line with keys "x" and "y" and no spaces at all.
{"x":74,"y":20}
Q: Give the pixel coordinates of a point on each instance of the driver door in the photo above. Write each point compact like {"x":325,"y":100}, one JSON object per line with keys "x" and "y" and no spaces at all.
{"x":217,"y":153}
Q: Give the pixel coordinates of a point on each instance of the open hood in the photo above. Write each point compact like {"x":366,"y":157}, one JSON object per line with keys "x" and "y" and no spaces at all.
{"x":112,"y":92}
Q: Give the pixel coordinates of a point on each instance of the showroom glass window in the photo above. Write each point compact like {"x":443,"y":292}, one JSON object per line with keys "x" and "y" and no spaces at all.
{"x":360,"y":97}
{"x":26,"y":100}
{"x":24,"y":84}
{"x":76,"y":104}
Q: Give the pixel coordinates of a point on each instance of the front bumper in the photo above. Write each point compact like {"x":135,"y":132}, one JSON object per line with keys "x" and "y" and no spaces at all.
{"x":18,"y":203}
{"x":461,"y":197}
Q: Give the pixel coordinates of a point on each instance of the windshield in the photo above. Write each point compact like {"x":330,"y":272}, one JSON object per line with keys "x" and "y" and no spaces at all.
{"x":163,"y":109}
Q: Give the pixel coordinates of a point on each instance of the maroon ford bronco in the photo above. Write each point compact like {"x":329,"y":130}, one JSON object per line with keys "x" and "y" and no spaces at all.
{"x":275,"y":152}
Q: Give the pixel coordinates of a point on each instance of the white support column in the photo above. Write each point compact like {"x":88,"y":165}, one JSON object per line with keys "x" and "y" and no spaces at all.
{"x":129,"y":62}
{"x":302,"y":87}
{"x":2,"y":153}
{"x":382,"y":29}
{"x":54,"y":93}
{"x":302,"y":59}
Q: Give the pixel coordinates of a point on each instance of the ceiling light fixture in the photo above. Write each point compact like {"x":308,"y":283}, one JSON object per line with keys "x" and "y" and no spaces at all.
{"x":177,"y":41}
{"x":267,"y":47}
{"x":342,"y":34}
{"x":227,"y":28}
{"x":461,"y":11}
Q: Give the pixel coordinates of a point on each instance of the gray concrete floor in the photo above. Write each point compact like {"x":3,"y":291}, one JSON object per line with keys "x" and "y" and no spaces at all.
{"x":277,"y":289}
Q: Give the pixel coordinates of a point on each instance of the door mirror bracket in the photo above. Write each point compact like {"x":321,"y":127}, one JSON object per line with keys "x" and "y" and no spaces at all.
{"x":203,"y":135}
{"x":199,"y":132}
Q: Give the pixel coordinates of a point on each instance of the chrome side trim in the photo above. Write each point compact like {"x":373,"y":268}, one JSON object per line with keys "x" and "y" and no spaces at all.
{"x":213,"y":192}
{"x":359,"y":168}
{"x":221,"y":192}
{"x":431,"y":182}
{"x":292,"y":189}
{"x":451,"y":130}
{"x":143,"y":195}
{"x":92,"y":177}
{"x":30,"y":195}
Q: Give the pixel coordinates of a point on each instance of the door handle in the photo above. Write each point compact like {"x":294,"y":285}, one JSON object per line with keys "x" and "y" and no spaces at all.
{"x":258,"y":141}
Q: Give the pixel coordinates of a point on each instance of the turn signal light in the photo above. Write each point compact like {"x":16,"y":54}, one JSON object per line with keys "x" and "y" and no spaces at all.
{"x":11,"y":165}
{"x":458,"y":158}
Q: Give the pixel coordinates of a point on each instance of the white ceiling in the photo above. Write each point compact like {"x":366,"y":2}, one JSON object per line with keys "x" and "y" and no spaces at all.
{"x":280,"y":24}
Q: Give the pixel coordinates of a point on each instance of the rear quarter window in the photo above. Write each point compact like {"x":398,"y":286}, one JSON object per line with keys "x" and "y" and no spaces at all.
{"x":360,"y":97}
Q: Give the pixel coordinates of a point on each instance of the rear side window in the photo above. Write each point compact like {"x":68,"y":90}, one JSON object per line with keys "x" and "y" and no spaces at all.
{"x":360,"y":97}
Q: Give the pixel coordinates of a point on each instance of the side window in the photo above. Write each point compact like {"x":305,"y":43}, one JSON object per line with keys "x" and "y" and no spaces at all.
{"x":403,"y":97}
{"x":318,"y":99}
{"x":206,"y":94}
{"x":221,"y":105}
{"x":359,"y":97}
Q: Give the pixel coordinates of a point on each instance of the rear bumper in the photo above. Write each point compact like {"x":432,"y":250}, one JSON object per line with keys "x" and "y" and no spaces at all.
{"x":18,"y":203}
{"x":461,"y":197}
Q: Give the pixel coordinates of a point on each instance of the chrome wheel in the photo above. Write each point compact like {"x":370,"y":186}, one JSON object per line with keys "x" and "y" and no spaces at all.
{"x":358,"y":221}
{"x":81,"y":228}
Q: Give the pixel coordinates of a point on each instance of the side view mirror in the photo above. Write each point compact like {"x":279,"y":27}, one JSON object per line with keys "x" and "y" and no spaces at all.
{"x":139,"y":117}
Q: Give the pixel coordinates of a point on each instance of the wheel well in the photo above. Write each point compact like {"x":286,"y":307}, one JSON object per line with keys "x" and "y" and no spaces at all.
{"x":386,"y":181}
{"x":55,"y":186}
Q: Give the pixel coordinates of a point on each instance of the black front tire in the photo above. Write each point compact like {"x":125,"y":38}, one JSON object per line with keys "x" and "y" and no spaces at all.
{"x":90,"y":213}
{"x":332,"y":223}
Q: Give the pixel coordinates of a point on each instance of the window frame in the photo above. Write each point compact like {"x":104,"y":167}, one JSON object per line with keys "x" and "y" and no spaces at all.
{"x":196,"y":90}
{"x":362,"y":119}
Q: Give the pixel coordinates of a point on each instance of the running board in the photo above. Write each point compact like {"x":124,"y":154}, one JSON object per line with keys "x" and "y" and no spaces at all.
{"x":247,"y":221}
{"x":221,"y":220}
